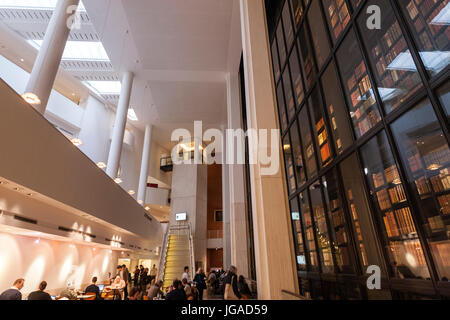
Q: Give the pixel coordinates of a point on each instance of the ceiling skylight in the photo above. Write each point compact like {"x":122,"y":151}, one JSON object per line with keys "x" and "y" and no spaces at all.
{"x":132,"y":115}
{"x":79,"y":50}
{"x":104,"y":87}
{"x":33,"y":4}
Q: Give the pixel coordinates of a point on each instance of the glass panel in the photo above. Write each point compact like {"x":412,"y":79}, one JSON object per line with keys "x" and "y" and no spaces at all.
{"x":290,"y":104}
{"x":357,"y":86}
{"x":308,"y":148}
{"x":336,"y":110}
{"x":297,"y":154}
{"x":288,"y":30}
{"x":318,"y":34}
{"x":281,"y":46}
{"x":355,"y":3}
{"x":289,"y":163}
{"x":426,"y":156}
{"x":359,"y":212}
{"x":429,"y":22}
{"x":387,"y":50}
{"x":281,"y":107}
{"x":321,"y":133}
{"x":322,"y":236}
{"x":276,"y":66}
{"x":309,"y":70}
{"x":339,"y":233}
{"x":337,"y":15}
{"x":309,"y":231}
{"x":393,"y":212}
{"x":296,"y":77}
{"x":296,"y":224}
{"x":444,"y":97}
{"x":297,"y":11}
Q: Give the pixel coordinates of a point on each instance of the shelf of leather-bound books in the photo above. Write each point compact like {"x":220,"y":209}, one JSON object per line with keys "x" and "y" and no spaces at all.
{"x":421,"y":12}
{"x":338,"y":16}
{"x":322,"y":139}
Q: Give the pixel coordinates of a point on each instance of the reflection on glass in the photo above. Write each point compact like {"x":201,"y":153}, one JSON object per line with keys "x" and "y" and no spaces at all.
{"x":289,"y":163}
{"x":337,"y":15}
{"x":290,"y":104}
{"x":336,"y":110}
{"x":281,"y":107}
{"x":429,"y":21}
{"x":359,"y":212}
{"x":318,"y":123}
{"x":298,"y":237}
{"x":387,"y":50}
{"x":276,"y":66}
{"x":323,"y":240}
{"x":318,"y":34}
{"x":308,"y":228}
{"x":357,"y":85}
{"x":287,"y":24}
{"x":307,"y":142}
{"x":426,"y":156}
{"x":339,"y":233}
{"x":355,"y":3}
{"x":297,"y":11}
{"x":296,"y":77}
{"x":309,"y":70}
{"x":297,"y":154}
{"x":444,"y":97}
{"x":281,"y":46}
{"x":393,"y":212}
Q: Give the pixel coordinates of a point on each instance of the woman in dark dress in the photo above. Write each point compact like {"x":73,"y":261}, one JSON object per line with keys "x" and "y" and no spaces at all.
{"x":199,"y":280}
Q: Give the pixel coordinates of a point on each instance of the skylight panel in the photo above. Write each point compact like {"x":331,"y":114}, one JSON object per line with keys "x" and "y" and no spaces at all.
{"x":80,"y":50}
{"x":104,"y":87}
{"x":132,"y":115}
{"x":33,"y":4}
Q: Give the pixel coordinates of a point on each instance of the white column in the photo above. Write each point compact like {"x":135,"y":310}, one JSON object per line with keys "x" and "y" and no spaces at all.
{"x":274,"y":252}
{"x":115,"y":150}
{"x":226,"y":209}
{"x":142,"y":191}
{"x":47,"y":63}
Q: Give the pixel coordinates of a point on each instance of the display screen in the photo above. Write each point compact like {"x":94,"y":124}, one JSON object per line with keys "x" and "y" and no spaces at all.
{"x":181,"y":216}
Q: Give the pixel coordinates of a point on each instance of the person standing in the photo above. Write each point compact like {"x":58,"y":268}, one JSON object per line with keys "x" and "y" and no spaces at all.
{"x":153,"y":272}
{"x":231,"y":291}
{"x":199,"y":279}
{"x":136,"y":276}
{"x":186,"y":274}
{"x":13,"y":293}
{"x":243,"y":288}
{"x":125,"y":277}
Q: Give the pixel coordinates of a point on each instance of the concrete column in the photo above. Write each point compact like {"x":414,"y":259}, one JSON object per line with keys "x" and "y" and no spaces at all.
{"x":226,"y":241}
{"x":144,"y":164}
{"x":47,"y":63}
{"x":115,"y":150}
{"x":274,"y":252}
{"x":238,"y":225}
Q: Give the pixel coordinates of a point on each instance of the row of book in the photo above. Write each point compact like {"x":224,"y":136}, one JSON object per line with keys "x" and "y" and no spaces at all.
{"x":397,"y":194}
{"x":441,"y":182}
{"x":383,"y":199}
{"x":401,"y":249}
{"x":339,"y":16}
{"x":337,"y":218}
{"x":436,"y":223}
{"x":341,"y":236}
{"x":444,"y":202}
{"x":443,"y":252}
{"x":399,"y":223}
{"x":372,"y":118}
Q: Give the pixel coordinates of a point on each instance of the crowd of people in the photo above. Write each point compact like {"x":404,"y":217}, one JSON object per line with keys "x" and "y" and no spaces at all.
{"x":143,"y":285}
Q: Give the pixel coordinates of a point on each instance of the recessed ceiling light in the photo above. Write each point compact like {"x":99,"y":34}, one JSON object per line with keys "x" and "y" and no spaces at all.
{"x":140,"y":201}
{"x":31,"y":98}
{"x":118,"y":180}
{"x":22,"y":59}
{"x":131,"y":192}
{"x":76,"y":142}
{"x":30,"y":194}
{"x":147,"y":208}
{"x":16,"y":188}
{"x":101,"y":165}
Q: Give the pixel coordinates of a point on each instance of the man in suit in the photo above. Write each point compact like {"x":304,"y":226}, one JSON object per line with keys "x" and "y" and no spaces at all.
{"x":13,"y":293}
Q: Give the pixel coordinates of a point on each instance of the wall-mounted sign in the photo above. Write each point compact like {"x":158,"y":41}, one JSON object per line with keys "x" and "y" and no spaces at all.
{"x":181,"y":216}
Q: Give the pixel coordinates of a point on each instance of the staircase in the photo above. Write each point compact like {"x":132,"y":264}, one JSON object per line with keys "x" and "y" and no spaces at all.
{"x":177,"y":253}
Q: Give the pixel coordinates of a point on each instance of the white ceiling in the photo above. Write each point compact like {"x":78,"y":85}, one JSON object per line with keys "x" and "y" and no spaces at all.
{"x":178,"y":49}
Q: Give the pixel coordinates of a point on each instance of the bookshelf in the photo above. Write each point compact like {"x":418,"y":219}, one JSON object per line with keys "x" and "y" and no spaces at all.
{"x":298,"y":234}
{"x":358,"y":88}
{"x":429,"y":35}
{"x":309,"y":71}
{"x":296,"y":77}
{"x":356,"y":223}
{"x":355,"y":3}
{"x":337,"y":15}
{"x":287,"y":24}
{"x":387,"y":50}
{"x":309,"y":231}
{"x":297,"y":12}
{"x":276,"y":66}
{"x":281,"y":45}
{"x":290,"y":103}
{"x":289,"y":164}
{"x":297,"y":154}
{"x":307,"y":142}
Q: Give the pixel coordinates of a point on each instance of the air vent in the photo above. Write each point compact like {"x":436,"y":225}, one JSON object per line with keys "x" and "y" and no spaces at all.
{"x":109,"y":240}
{"x":76,"y":231}
{"x":23,"y":219}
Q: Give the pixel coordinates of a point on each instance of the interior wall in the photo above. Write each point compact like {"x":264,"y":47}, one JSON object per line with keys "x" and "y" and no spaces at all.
{"x":53,"y":261}
{"x":214,"y":201}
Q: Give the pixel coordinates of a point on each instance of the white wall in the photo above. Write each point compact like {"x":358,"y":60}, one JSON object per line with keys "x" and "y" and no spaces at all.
{"x":53,"y":261}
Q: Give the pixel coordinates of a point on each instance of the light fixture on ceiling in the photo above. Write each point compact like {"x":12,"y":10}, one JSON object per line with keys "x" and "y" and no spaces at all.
{"x":131,"y":192}
{"x":147,"y":208}
{"x":16,"y":189}
{"x":118,"y":180}
{"x":140,"y":201}
{"x":30,"y":194}
{"x":132,"y":115}
{"x":22,"y":59}
{"x":77,"y":142}
{"x":101,"y":165}
{"x":31,"y":98}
